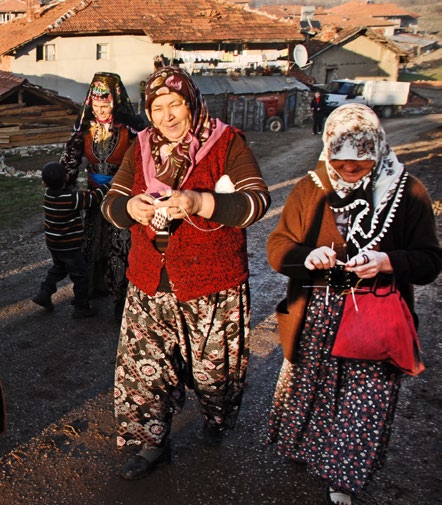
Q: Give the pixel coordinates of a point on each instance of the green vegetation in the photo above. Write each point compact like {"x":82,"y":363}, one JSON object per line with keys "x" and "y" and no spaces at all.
{"x":431,"y":72}
{"x":20,"y":199}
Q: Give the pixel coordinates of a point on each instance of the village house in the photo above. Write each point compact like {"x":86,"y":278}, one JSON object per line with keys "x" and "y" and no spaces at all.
{"x":385,"y":18}
{"x":395,"y":23}
{"x":354,"y":43}
{"x":11,"y":9}
{"x":353,"y":53}
{"x":61,"y":45}
{"x":402,"y":19}
{"x":317,"y":18}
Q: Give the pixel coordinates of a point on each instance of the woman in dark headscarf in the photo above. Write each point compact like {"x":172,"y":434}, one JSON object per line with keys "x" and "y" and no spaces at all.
{"x":186,"y":318}
{"x":359,"y":209}
{"x":105,"y":128}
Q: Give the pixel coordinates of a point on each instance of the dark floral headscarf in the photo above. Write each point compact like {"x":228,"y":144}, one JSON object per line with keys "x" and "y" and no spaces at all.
{"x":173,"y":159}
{"x":106,"y":86}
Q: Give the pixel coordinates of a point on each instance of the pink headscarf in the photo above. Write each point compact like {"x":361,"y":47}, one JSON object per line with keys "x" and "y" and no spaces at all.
{"x":168,"y":164}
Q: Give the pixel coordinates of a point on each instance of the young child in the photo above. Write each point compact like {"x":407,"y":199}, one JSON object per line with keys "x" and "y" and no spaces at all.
{"x":64,"y":238}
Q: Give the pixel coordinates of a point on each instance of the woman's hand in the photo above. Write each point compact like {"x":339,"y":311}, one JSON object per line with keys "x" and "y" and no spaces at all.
{"x":321,"y":258}
{"x":368,"y":264}
{"x":141,"y":208}
{"x":186,"y":203}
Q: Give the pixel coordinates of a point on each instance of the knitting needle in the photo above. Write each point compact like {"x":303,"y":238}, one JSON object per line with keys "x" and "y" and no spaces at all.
{"x":327,"y":291}
{"x":353,"y":293}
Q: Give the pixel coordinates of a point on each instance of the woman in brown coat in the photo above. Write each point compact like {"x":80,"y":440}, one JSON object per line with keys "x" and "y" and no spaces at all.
{"x":359,"y":212}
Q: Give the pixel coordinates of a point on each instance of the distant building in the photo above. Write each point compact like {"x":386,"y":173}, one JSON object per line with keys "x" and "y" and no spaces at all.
{"x":11,"y":9}
{"x":402,"y":19}
{"x":352,"y":53}
{"x":62,"y":44}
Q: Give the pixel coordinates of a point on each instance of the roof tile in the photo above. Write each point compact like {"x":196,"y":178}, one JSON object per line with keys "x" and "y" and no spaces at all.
{"x":9,"y":82}
{"x":163,"y":21}
{"x":371,"y":9}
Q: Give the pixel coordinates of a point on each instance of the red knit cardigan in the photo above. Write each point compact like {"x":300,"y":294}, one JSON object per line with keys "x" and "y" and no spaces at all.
{"x":198,"y":262}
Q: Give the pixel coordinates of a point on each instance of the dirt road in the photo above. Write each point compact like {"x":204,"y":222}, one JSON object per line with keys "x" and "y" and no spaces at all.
{"x":57,"y":374}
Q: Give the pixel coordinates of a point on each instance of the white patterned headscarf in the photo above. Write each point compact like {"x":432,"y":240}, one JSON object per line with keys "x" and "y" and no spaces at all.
{"x":354,"y":132}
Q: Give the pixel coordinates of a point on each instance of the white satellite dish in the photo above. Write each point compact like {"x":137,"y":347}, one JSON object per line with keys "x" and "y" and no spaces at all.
{"x":300,"y":55}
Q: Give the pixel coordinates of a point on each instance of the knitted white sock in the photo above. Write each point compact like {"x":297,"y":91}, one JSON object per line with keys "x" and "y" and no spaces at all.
{"x":339,"y":498}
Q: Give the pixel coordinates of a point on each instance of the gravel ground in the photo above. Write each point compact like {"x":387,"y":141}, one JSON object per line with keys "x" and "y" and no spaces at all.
{"x":57,"y":374}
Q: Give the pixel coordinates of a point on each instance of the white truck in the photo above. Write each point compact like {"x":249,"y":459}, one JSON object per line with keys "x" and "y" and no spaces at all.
{"x":384,"y":97}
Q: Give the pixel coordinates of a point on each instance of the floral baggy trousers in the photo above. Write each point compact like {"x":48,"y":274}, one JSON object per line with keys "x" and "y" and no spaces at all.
{"x":166,"y":345}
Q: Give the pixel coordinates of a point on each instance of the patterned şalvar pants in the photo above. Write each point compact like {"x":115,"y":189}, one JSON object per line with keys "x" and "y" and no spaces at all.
{"x":164,"y":346}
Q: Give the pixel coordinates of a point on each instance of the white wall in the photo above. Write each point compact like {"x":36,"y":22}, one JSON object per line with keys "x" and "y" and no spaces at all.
{"x":75,"y":63}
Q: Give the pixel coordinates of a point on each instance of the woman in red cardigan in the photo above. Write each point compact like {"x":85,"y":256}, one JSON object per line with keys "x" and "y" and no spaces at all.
{"x":359,"y":211}
{"x":187,"y":189}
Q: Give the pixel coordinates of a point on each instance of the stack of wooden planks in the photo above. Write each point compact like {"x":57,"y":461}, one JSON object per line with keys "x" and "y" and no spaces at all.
{"x":22,"y":125}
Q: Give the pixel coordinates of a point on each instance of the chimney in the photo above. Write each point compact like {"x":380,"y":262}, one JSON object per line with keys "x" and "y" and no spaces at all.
{"x":31,"y":7}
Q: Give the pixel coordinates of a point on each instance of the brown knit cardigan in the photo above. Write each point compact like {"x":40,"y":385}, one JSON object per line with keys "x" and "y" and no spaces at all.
{"x":308,"y":222}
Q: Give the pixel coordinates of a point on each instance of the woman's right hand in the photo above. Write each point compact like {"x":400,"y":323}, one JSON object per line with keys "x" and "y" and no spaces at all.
{"x":321,"y":258}
{"x":141,"y":208}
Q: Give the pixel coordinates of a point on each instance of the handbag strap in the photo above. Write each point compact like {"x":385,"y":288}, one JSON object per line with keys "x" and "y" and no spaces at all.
{"x":378,"y":285}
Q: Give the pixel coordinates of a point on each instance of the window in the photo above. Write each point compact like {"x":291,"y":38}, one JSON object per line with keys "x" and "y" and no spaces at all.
{"x":102,"y":51}
{"x":46,"y":52}
{"x":49,"y":52}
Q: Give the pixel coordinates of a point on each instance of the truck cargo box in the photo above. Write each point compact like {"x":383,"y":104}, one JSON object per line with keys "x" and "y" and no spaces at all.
{"x":385,"y":97}
{"x":386,"y":92}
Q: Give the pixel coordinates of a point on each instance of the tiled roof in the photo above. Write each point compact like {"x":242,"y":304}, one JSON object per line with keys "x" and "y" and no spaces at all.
{"x":13,"y":6}
{"x":316,"y":46}
{"x":371,"y":9}
{"x":282,"y":11}
{"x":351,"y":19}
{"x":9,"y":82}
{"x":164,"y":21}
{"x":327,"y":17}
{"x":20,"y":31}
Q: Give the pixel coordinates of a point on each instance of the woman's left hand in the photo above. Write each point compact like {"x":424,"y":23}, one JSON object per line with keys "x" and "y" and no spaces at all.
{"x":368,"y":264}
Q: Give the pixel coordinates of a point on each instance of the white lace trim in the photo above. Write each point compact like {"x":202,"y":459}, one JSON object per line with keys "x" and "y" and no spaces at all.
{"x":316,"y":179}
{"x":355,"y":227}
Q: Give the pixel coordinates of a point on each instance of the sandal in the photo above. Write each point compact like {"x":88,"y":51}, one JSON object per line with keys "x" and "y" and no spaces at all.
{"x":143,"y":463}
{"x":336,"y":497}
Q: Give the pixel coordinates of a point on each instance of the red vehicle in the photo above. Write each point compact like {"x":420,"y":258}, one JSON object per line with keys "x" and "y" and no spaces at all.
{"x":273,"y":112}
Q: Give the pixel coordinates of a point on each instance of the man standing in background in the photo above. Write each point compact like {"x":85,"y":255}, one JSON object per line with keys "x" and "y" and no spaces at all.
{"x":317,"y":106}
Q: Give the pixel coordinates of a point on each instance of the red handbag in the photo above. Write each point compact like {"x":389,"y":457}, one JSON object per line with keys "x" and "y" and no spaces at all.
{"x":379,"y":327}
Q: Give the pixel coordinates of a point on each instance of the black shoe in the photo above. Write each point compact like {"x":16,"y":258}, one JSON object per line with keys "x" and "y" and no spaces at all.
{"x":82,"y":311}
{"x":213,"y":435}
{"x":44,"y":300}
{"x":140,"y":466}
